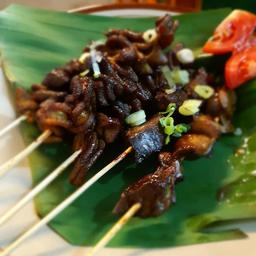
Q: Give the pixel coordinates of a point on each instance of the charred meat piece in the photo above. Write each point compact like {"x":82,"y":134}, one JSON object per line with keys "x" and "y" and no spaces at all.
{"x":128,"y":55}
{"x":25,"y":103}
{"x":222,"y":106}
{"x":167,"y":159}
{"x":92,"y":148}
{"x":130,"y":35}
{"x":100,"y":94}
{"x":74,"y":67}
{"x":163,"y":99}
{"x":222,"y":102}
{"x":146,"y":138}
{"x":117,"y":42}
{"x":205,"y":125}
{"x":82,"y":88}
{"x":121,"y":110}
{"x":84,"y":122}
{"x":41,"y":95}
{"x":136,"y":105}
{"x":149,"y":83}
{"x":156,"y":57}
{"x":126,"y":72}
{"x":200,"y":77}
{"x":109,"y":87}
{"x":56,"y":79}
{"x":154,"y":192}
{"x":193,"y":145}
{"x":108,"y":128}
{"x":165,"y":28}
{"x":113,"y":82}
{"x":53,"y":114}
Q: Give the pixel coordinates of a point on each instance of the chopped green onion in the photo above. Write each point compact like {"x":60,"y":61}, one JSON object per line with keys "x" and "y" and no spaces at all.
{"x":204,"y":91}
{"x":84,"y":73}
{"x":167,"y":139}
{"x":167,"y":122}
{"x":84,"y":56}
{"x":180,"y":76}
{"x":185,"y":56}
{"x":96,"y":43}
{"x":149,"y":35}
{"x":180,"y":128}
{"x":95,"y":65}
{"x":170,"y":91}
{"x":168,"y":130}
{"x":170,"y":109}
{"x":136,"y":118}
{"x":168,"y":76}
{"x":190,"y":107}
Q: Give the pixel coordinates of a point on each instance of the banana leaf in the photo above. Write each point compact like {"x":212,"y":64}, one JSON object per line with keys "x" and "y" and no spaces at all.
{"x":216,"y":190}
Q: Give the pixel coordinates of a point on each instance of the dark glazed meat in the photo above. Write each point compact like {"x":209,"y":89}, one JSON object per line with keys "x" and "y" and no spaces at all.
{"x":56,"y":79}
{"x":88,"y":100}
{"x":155,"y":192}
{"x":163,"y":99}
{"x":165,"y":28}
{"x":25,"y":103}
{"x":108,"y":128}
{"x":146,"y":138}
{"x":92,"y":148}
{"x":193,"y":145}
{"x":205,"y":125}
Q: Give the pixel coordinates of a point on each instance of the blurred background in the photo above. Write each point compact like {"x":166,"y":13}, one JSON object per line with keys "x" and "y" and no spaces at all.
{"x":72,"y":4}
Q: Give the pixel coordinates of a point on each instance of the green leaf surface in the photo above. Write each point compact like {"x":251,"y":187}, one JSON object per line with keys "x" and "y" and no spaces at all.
{"x":216,"y":189}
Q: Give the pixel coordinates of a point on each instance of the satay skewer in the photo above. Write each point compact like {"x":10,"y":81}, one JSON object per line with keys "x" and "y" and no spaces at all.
{"x":39,"y":187}
{"x":63,"y":205}
{"x":115,"y":229}
{"x":24,"y":153}
{"x":12,"y":125}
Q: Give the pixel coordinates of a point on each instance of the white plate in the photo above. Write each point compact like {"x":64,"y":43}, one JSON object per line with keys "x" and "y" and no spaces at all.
{"x":47,"y":243}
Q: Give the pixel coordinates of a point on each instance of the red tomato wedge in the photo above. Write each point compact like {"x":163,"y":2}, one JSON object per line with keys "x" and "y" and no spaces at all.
{"x":241,"y":67}
{"x":232,"y":33}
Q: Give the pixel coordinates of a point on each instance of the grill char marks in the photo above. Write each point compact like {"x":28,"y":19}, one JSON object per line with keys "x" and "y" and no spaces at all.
{"x":146,"y":138}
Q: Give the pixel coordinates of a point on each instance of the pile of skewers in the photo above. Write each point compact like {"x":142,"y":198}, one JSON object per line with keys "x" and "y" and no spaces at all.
{"x":134,"y":87}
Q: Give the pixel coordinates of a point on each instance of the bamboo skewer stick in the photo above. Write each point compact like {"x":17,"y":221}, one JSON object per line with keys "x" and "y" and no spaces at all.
{"x":13,"y":124}
{"x":38,"y":188}
{"x":20,"y":156}
{"x":115,"y":229}
{"x":59,"y":208}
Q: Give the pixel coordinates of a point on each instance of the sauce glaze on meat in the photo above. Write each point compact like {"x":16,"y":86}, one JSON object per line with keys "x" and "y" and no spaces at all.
{"x":72,"y":101}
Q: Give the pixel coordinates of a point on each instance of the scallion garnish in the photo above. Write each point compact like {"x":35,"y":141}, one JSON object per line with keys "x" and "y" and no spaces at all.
{"x":84,"y":56}
{"x":173,"y":77}
{"x":149,"y":35}
{"x":95,"y":65}
{"x":167,"y":122}
{"x":169,"y":110}
{"x":180,"y":76}
{"x":84,"y":73}
{"x":180,"y":129}
{"x":96,"y":58}
{"x":185,"y":56}
{"x":204,"y":91}
{"x":190,"y":107}
{"x":168,"y":76}
{"x":136,"y":118}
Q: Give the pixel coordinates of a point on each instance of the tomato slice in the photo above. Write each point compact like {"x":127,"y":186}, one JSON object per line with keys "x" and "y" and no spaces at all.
{"x":241,"y":67}
{"x":232,"y":33}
